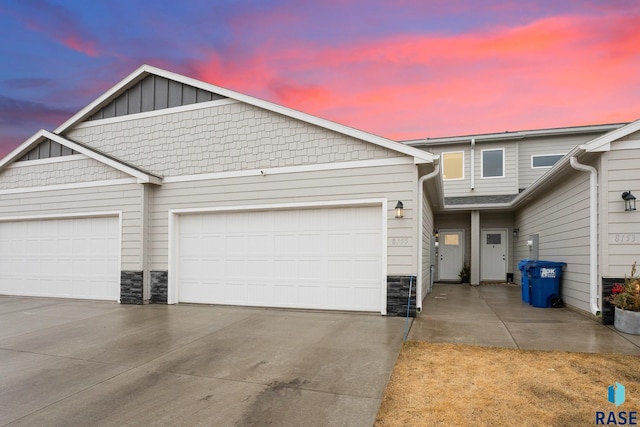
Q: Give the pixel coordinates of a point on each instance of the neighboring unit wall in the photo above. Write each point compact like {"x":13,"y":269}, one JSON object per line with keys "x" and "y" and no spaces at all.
{"x":117,"y":197}
{"x":391,"y":182}
{"x":427,"y":236}
{"x":228,"y":137}
{"x":560,"y":215}
{"x":620,"y":230}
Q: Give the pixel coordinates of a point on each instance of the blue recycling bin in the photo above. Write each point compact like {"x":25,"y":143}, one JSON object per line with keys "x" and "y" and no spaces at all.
{"x":525,"y":280}
{"x":544,"y":281}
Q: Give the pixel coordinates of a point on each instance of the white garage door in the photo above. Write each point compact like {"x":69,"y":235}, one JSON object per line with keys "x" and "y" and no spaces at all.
{"x":65,"y":258}
{"x":306,"y":258}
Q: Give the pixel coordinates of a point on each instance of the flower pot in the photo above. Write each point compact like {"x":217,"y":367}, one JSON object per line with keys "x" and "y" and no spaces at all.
{"x":627,"y":321}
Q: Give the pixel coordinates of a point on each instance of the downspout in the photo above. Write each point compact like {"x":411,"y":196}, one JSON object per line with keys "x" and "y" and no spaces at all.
{"x":593,"y":230}
{"x":421,"y":181}
{"x":473,"y":163}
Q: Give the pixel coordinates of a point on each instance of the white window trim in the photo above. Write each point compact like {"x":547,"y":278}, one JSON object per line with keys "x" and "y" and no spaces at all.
{"x":482,"y":164}
{"x":544,"y":155}
{"x":442,"y":157}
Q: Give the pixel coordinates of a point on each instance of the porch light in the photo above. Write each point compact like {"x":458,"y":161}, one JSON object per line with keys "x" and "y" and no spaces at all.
{"x":516,"y":231}
{"x":399,"y":210}
{"x":629,"y":201}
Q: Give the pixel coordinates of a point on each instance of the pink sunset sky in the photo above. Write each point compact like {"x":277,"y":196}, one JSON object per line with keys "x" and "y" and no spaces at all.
{"x":406,"y":69}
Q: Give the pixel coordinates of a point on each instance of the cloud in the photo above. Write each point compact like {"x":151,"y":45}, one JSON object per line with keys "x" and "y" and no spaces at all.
{"x":19,"y":113}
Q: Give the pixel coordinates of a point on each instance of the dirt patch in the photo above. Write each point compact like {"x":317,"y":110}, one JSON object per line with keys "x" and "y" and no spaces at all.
{"x":448,"y":384}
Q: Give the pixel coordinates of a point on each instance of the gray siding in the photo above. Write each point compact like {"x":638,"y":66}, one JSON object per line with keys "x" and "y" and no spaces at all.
{"x":482,"y":186}
{"x":125,"y":198}
{"x":560,"y":215}
{"x":540,"y":146}
{"x":620,"y":229}
{"x":225,"y":138}
{"x":65,"y":172}
{"x":427,"y":235}
{"x":391,"y":182}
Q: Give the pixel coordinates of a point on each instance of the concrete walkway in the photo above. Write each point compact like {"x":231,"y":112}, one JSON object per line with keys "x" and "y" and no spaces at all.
{"x":494,"y":315}
{"x":87,"y":363}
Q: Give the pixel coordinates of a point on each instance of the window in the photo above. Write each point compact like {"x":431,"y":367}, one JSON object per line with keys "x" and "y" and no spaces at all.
{"x":451,"y":239}
{"x":493,"y":163}
{"x":545,"y":161}
{"x":453,"y":165}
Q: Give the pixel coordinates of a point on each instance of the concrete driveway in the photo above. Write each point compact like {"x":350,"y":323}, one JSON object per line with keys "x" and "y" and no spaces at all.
{"x":79,"y":363}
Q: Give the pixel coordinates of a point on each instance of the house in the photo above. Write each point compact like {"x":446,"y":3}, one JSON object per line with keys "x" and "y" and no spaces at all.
{"x":167,"y":189}
{"x":552,"y":194}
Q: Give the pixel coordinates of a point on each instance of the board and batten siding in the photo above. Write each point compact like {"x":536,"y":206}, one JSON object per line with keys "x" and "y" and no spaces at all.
{"x":620,"y":230}
{"x":230,"y":137}
{"x":393,"y":183}
{"x":63,"y":170}
{"x":118,"y":197}
{"x":560,"y":216}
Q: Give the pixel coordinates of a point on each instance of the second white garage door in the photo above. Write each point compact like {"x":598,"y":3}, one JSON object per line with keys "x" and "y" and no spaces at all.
{"x":64,"y":258}
{"x":305,"y":258}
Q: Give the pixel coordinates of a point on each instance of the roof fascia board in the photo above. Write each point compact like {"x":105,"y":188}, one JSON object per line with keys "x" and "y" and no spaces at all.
{"x":603,"y":143}
{"x":516,"y":135}
{"x":420,"y":156}
{"x":141,"y":176}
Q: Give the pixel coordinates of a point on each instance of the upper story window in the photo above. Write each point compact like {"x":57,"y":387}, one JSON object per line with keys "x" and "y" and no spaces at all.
{"x":453,"y":165}
{"x":493,"y":163}
{"x":545,"y":161}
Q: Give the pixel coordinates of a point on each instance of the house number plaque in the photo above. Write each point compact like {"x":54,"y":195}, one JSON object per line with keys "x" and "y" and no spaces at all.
{"x":400,"y":241}
{"x":622,"y":239}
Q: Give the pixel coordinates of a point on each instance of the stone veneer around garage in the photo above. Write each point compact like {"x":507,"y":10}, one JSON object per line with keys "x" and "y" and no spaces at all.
{"x":159,"y":280}
{"x":398,"y":295}
{"x":131,"y":287}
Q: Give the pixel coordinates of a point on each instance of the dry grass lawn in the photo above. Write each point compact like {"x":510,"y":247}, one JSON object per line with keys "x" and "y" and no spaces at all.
{"x":459,"y":385}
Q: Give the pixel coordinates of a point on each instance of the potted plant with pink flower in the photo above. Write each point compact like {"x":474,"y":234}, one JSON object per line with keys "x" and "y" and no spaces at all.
{"x":626,"y":298}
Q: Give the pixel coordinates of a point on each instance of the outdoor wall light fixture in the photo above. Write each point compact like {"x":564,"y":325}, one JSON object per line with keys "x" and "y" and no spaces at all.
{"x":437,"y":234}
{"x":629,"y":201}
{"x":516,"y":231}
{"x":399,"y":210}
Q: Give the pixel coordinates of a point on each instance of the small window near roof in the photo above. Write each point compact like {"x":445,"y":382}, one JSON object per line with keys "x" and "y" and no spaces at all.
{"x":493,"y":163}
{"x":453,"y":165}
{"x":545,"y":161}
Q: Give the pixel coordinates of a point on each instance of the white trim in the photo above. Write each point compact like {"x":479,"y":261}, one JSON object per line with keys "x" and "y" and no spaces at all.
{"x":385,"y":247}
{"x":60,"y":216}
{"x":281,"y":206}
{"x":546,"y":155}
{"x":482,"y":163}
{"x":442,"y":157}
{"x":603,"y":143}
{"x":156,"y":113}
{"x":70,"y":186}
{"x":173,"y":289}
{"x":420,"y":156}
{"x":289,"y":169}
{"x":48,"y":160}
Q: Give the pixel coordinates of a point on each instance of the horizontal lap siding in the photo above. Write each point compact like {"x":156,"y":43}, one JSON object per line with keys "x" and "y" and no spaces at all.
{"x":427,"y":233}
{"x":125,"y":198}
{"x":561,"y":218}
{"x":391,"y":182}
{"x":622,"y":232}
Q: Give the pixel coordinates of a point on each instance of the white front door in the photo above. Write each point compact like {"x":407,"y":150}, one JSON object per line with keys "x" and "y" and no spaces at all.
{"x":450,"y":254}
{"x":493,"y":255}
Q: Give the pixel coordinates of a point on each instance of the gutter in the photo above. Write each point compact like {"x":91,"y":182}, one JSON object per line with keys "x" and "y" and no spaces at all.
{"x":593,"y":231}
{"x":421,"y":181}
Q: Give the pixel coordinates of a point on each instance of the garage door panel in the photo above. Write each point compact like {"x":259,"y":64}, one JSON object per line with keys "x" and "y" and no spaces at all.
{"x":67,"y":258}
{"x":327,"y":258}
